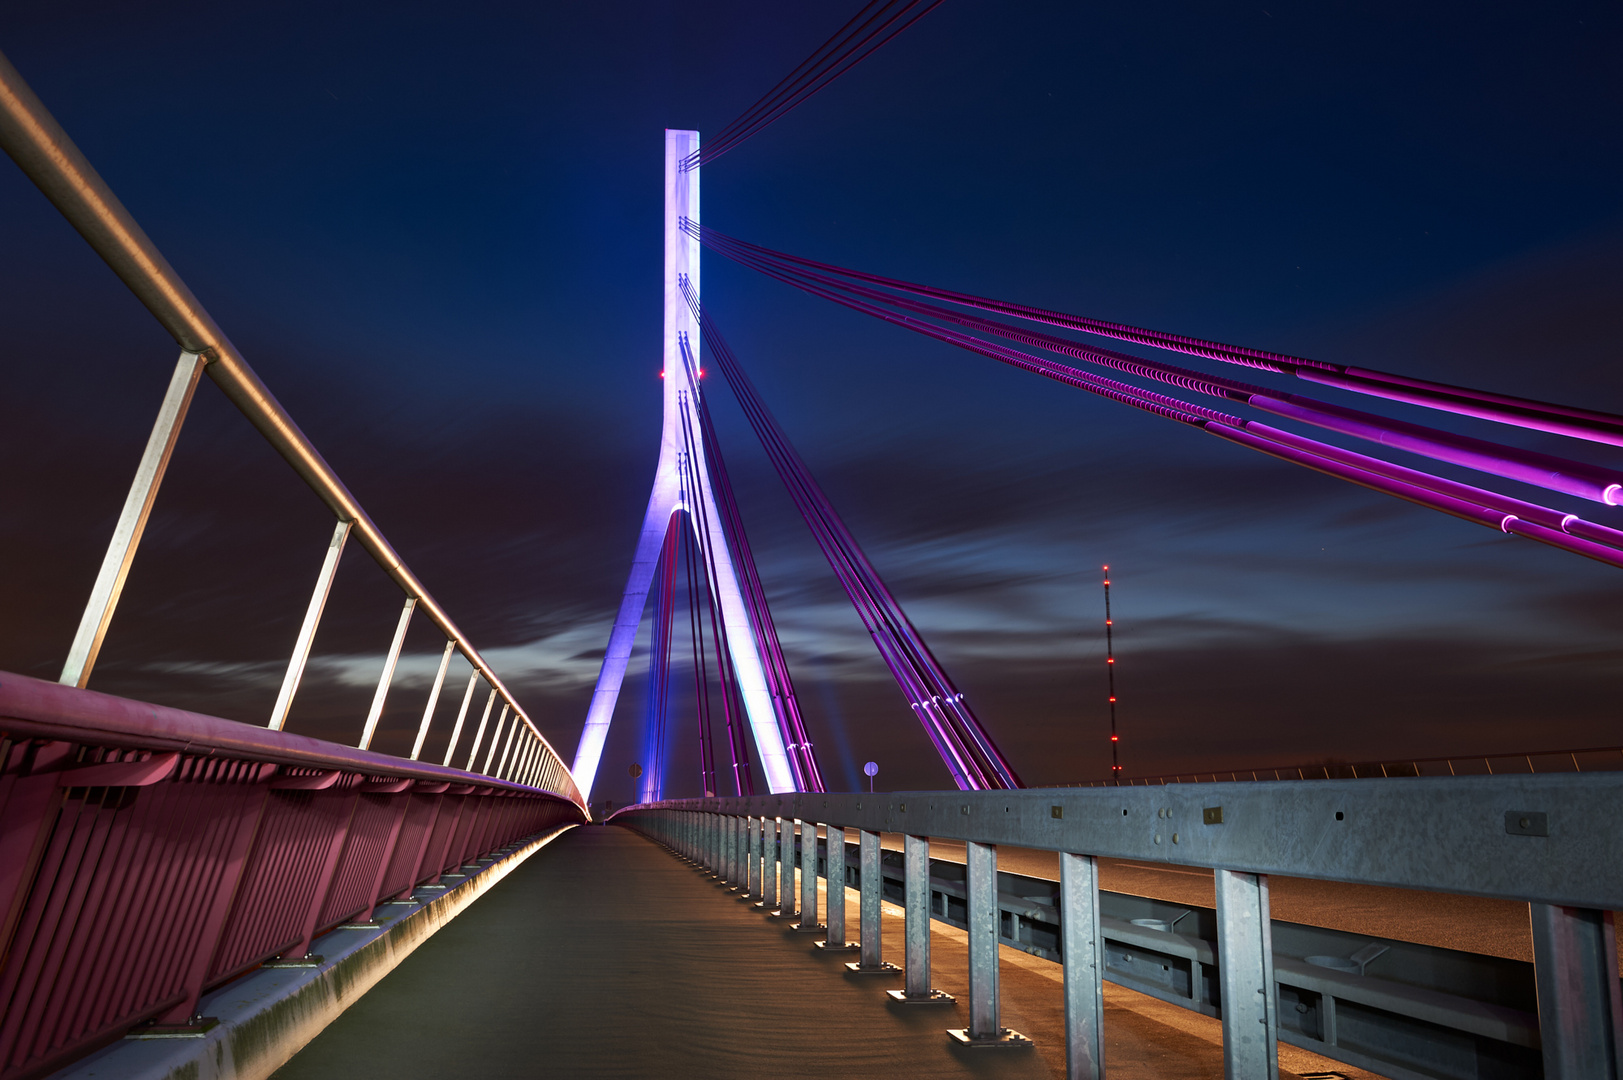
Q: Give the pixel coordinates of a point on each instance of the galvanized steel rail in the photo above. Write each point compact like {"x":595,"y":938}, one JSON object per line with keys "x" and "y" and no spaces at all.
{"x":1554,"y":841}
{"x":148,"y":854}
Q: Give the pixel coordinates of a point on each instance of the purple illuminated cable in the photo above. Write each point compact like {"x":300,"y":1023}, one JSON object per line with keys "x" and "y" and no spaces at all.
{"x":959,"y":738}
{"x":802,"y":757}
{"x":868,"y":31}
{"x":1588,"y":424}
{"x":867,"y":595}
{"x":1546,"y":525}
{"x":731,"y":702}
{"x":1530,"y":467}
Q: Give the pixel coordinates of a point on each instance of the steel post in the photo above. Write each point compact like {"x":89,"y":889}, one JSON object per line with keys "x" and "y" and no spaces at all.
{"x":808,"y":880}
{"x":495,"y":737}
{"x":433,"y":700}
{"x":786,"y":868}
{"x":1082,"y":944}
{"x":389,"y":662}
{"x":769,"y":864}
{"x":752,"y":858}
{"x":307,"y":631}
{"x":1245,"y":962}
{"x":1580,"y":1018}
{"x":980,"y":883}
{"x":916,"y":887}
{"x":132,"y":521}
{"x":870,"y":929}
{"x":473,"y":751}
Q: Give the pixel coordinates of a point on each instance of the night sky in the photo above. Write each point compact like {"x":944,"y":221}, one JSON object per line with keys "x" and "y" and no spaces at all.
{"x":435,"y":232}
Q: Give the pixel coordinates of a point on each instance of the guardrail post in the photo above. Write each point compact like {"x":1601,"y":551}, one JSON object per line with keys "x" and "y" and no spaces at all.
{"x":916,"y":882}
{"x":786,"y":869}
{"x":1580,"y":1018}
{"x":808,"y":880}
{"x":1082,"y":944}
{"x":735,"y":851}
{"x":1245,"y":964}
{"x":752,"y":857}
{"x":980,"y":882}
{"x":871,"y":961}
{"x":835,"y":876}
{"x":769,"y":865}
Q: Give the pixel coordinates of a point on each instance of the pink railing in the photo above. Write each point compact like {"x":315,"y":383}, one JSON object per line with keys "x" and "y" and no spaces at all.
{"x":148,"y":854}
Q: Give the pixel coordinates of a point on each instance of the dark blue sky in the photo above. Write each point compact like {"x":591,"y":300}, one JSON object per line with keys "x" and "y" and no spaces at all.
{"x":434,"y":230}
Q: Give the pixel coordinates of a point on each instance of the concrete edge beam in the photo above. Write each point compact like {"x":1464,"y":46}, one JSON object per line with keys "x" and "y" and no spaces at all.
{"x":270,"y":1014}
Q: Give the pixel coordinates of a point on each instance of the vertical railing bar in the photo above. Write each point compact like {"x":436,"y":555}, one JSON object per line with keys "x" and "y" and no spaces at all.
{"x":462,"y":714}
{"x":433,"y":700}
{"x":132,"y":522}
{"x":387,"y":676}
{"x":473,"y":751}
{"x":496,"y":737}
{"x":307,"y":630}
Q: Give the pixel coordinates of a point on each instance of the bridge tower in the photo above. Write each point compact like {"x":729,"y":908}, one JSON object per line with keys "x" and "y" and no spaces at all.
{"x":683,"y":465}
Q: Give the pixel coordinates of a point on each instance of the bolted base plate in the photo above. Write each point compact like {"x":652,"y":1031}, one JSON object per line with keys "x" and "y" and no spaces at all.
{"x":199,"y":1028}
{"x":1004,"y":1038}
{"x":814,"y":928}
{"x":934,"y":997}
{"x":309,"y":960}
{"x":830,"y":947}
{"x":782,"y":914}
{"x":882,"y":968}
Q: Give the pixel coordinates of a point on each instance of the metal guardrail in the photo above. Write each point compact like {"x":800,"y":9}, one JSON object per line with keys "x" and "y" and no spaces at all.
{"x":39,"y":146}
{"x":1591,"y":759}
{"x":1404,"y":1010}
{"x":148,"y":854}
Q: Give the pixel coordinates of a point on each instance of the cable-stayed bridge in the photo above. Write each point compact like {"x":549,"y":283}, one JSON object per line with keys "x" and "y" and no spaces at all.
{"x":182,"y":889}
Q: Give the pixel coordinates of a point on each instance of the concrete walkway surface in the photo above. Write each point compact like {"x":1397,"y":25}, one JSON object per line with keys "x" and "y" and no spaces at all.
{"x":605,"y":956}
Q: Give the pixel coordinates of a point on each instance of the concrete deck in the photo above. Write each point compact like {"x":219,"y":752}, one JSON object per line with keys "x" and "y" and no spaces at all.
{"x":605,"y":956}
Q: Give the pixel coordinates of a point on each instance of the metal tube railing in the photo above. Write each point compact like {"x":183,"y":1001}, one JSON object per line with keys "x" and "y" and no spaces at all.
{"x":45,"y":153}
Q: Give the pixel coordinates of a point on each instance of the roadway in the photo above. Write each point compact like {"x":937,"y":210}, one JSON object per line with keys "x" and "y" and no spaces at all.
{"x":605,"y":956}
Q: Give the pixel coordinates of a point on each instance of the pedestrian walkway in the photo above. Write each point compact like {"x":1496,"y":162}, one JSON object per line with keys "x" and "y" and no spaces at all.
{"x":605,"y":956}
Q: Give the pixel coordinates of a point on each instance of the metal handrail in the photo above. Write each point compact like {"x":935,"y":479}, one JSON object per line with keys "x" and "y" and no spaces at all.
{"x":45,"y":153}
{"x":36,"y":709}
{"x":1373,"y":770}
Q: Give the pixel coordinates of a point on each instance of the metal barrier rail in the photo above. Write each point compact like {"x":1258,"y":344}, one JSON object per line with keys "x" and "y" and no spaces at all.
{"x":1590,"y":759}
{"x":39,"y":146}
{"x":1552,"y":841}
{"x":149,"y":854}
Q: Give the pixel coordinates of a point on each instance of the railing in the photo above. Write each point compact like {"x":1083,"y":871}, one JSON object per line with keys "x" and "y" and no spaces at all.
{"x":149,"y":854}
{"x":31,"y":136}
{"x":1592,"y":759}
{"x":1403,"y":1010}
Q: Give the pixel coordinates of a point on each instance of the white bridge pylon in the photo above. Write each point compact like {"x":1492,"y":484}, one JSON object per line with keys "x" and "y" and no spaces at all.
{"x":670,"y":496}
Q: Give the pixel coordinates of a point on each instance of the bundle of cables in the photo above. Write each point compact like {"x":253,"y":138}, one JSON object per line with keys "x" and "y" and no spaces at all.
{"x":922,"y":309}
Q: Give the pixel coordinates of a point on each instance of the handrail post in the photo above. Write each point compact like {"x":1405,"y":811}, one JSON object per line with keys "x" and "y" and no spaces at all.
{"x":980,"y":882}
{"x":1083,"y":948}
{"x":433,"y":700}
{"x":916,"y":883}
{"x":496,"y":737}
{"x":473,"y":751}
{"x":132,"y":522}
{"x":376,"y":712}
{"x":1245,"y":963}
{"x":871,"y":929}
{"x":307,"y":630}
{"x":1580,"y":1017}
